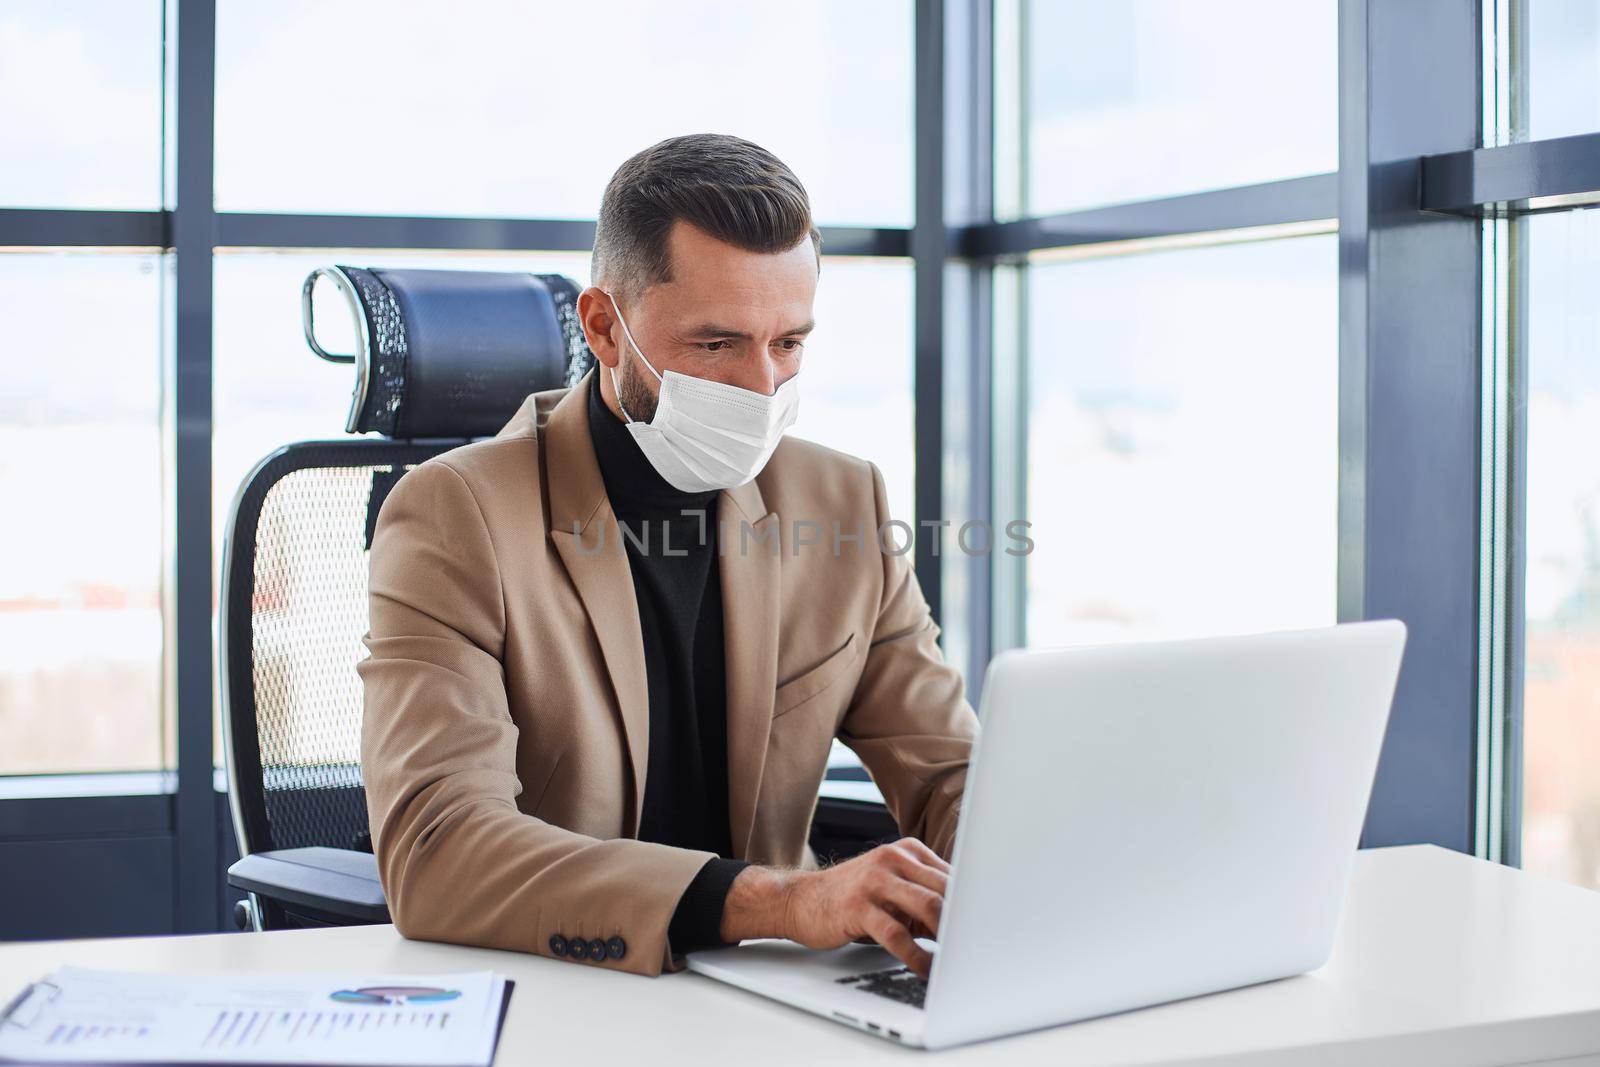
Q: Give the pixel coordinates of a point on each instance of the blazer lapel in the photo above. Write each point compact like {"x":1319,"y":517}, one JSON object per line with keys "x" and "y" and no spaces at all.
{"x":751,"y":558}
{"x":585,"y":533}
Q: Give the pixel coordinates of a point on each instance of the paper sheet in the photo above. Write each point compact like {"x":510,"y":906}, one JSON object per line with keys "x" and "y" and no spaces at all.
{"x":77,"y":1015}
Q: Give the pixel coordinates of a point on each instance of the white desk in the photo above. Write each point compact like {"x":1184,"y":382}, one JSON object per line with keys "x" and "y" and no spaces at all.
{"x":1441,"y":959}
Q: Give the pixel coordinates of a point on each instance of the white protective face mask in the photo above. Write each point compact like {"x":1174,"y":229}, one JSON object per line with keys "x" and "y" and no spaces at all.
{"x":707,"y":435}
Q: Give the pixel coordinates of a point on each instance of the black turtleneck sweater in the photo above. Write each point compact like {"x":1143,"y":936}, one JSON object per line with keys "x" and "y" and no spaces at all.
{"x":678,"y":586}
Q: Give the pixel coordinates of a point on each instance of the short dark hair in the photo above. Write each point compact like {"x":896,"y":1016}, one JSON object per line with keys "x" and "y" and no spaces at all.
{"x":732,"y":189}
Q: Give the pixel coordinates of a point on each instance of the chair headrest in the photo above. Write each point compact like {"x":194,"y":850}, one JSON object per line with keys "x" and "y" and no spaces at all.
{"x":451,"y":353}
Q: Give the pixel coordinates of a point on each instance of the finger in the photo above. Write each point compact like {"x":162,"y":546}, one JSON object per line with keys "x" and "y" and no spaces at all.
{"x":921,"y":904}
{"x":927,"y":855}
{"x":897,"y":939}
{"x":916,"y":928}
{"x":914,"y":869}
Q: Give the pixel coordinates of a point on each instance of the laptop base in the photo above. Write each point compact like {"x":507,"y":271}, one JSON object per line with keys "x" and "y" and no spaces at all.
{"x":810,"y":980}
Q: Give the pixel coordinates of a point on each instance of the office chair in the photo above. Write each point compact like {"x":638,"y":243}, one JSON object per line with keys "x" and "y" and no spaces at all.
{"x":442,"y":357}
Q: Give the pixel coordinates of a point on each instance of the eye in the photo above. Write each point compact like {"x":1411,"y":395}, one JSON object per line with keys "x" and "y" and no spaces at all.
{"x":715,"y":346}
{"x":792,"y":344}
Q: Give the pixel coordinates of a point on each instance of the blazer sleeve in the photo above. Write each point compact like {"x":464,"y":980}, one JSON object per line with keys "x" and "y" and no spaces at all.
{"x":909,"y":719}
{"x":458,"y":860}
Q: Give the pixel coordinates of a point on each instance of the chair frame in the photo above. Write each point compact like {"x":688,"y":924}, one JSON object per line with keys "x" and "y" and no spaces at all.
{"x":318,"y":901}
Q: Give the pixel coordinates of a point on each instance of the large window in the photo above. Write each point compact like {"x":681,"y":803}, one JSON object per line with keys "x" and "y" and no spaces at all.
{"x":81,"y":468}
{"x":1563,"y":93}
{"x":1539,"y":639}
{"x":506,"y":108}
{"x":81,"y":475}
{"x":80,"y":103}
{"x":1561,"y":710}
{"x":1151,"y":98}
{"x":495,"y":109}
{"x":1182,"y":442}
{"x":1144,"y":339}
{"x":1164,"y":378}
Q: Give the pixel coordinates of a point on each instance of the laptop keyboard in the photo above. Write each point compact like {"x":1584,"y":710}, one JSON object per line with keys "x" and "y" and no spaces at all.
{"x":897,"y":983}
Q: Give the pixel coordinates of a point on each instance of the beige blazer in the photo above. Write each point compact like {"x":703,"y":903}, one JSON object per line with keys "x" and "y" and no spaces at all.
{"x":504,"y":741}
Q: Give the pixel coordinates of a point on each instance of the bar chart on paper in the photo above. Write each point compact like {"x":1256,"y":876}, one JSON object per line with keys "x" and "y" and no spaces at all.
{"x":242,"y":1028}
{"x":76,"y":1015}
{"x":82,"y":1035}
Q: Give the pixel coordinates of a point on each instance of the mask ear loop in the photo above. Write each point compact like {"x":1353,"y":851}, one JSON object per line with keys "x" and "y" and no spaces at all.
{"x":629,"y":335}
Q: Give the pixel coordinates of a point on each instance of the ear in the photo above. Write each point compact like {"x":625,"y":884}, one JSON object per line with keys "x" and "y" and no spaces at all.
{"x":600,"y":327}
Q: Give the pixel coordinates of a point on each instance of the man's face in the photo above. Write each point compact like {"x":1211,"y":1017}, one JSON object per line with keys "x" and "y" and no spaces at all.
{"x":727,"y":315}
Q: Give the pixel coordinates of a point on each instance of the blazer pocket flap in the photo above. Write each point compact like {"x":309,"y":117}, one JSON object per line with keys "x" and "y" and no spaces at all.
{"x":798,"y":690}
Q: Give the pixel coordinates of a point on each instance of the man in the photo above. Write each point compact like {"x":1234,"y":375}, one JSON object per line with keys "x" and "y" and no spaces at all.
{"x":606,"y":670}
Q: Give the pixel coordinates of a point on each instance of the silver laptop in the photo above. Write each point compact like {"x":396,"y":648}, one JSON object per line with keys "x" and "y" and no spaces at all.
{"x":1142,"y":823}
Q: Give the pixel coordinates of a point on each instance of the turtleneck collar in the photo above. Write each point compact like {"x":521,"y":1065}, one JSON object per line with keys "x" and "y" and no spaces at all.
{"x":635,"y":488}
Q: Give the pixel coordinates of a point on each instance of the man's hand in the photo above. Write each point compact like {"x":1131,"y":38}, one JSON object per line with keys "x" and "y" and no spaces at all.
{"x":890,"y":895}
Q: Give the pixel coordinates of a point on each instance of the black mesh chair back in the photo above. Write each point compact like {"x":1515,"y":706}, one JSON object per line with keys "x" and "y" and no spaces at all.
{"x":443,"y":357}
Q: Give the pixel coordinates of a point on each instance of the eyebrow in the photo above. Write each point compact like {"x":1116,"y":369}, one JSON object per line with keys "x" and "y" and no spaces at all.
{"x":711,"y":329}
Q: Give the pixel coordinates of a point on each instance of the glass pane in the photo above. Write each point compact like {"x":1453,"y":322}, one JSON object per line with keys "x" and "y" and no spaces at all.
{"x":81,"y":461}
{"x":856,"y":392}
{"x":1563,"y":56}
{"x":504,"y":108}
{"x":80,"y":100}
{"x":1561,"y":687}
{"x":1182,"y":473}
{"x":270,"y":390}
{"x":1151,"y":98}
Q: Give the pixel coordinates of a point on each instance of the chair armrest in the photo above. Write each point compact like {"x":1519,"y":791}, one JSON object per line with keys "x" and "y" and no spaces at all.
{"x":335,"y":884}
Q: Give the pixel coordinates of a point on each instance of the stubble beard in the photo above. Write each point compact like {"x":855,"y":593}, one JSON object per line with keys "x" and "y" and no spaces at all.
{"x":636,"y":398}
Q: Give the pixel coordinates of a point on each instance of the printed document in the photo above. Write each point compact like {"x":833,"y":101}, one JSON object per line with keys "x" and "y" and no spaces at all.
{"x":82,"y":1015}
